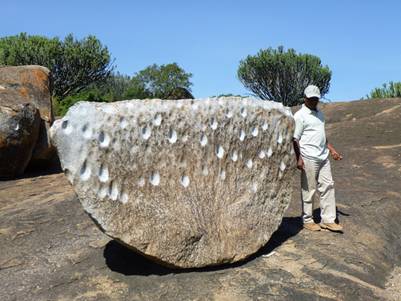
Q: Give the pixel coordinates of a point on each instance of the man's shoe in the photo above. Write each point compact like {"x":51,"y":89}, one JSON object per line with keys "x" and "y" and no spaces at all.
{"x":311,"y":226}
{"x":332,"y":227}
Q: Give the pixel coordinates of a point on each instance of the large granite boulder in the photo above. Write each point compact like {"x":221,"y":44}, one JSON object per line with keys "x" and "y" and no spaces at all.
{"x":30,"y":84}
{"x":188,"y":183}
{"x":19,"y":128}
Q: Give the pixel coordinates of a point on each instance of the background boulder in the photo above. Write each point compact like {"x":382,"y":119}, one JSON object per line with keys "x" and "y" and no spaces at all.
{"x":30,"y":85}
{"x":19,"y":128}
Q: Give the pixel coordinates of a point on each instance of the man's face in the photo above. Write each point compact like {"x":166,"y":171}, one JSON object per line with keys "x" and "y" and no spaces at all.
{"x":312,"y":102}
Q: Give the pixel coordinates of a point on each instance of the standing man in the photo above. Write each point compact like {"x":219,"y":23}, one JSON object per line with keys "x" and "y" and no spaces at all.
{"x":312,"y":151}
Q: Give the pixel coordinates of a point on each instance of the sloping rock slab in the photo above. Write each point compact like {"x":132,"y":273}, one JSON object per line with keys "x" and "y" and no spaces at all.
{"x":188,"y":183}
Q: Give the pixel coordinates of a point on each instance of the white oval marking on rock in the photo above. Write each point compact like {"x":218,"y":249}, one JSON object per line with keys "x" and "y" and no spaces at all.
{"x":282,"y":166}
{"x":85,"y":172}
{"x":265,"y":126}
{"x":123,"y":123}
{"x":262,"y":154}
{"x":203,"y":140}
{"x":242,"y":135}
{"x":223,"y":174}
{"x":255,"y":131}
{"x":280,"y":138}
{"x":103,"y":173}
{"x":234,"y":156}
{"x":154,"y":178}
{"x":102,"y":191}
{"x":172,"y":136}
{"x":104,"y":139}
{"x":219,"y":151}
{"x":17,"y":127}
{"x":243,"y":112}
{"x":124,"y":198}
{"x":157,"y":120}
{"x":141,"y":182}
{"x":269,"y":152}
{"x":65,"y":125}
{"x":229,"y":113}
{"x":184,"y":181}
{"x":146,"y":132}
{"x":86,"y":131}
{"x":113,"y":190}
{"x":213,"y":123}
{"x":254,"y":187}
{"x":205,"y":170}
{"x":249,"y":163}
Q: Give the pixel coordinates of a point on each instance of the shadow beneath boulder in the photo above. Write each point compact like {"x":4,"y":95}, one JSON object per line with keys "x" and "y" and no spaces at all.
{"x":123,"y":260}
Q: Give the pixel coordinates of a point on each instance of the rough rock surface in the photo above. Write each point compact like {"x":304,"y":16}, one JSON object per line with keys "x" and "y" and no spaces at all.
{"x":189,"y":183}
{"x":51,"y":250}
{"x":19,"y":128}
{"x":30,"y":84}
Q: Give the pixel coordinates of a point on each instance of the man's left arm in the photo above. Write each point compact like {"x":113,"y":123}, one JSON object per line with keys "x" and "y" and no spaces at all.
{"x":333,"y":152}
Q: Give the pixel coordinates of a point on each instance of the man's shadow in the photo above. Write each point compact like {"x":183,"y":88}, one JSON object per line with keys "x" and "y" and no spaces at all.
{"x":123,"y":260}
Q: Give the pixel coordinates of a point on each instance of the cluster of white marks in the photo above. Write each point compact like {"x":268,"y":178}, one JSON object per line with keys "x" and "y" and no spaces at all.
{"x":262,"y":154}
{"x":280,"y":138}
{"x":254,"y":187}
{"x":104,"y":139}
{"x":203,"y":140}
{"x":123,"y":123}
{"x":205,"y":170}
{"x":249,"y":163}
{"x":265,"y":126}
{"x":243,"y":112}
{"x":141,"y":182}
{"x":172,"y":136}
{"x":234,"y":156}
{"x":154,"y":178}
{"x":219,"y":151}
{"x":146,"y":132}
{"x":113,"y":190}
{"x":269,"y":152}
{"x":242,"y":135}
{"x":255,"y":131}
{"x":103,"y":174}
{"x":85,"y":172}
{"x":282,"y":166}
{"x":213,"y":123}
{"x":184,"y":180}
{"x":65,"y":125}
{"x":223,"y":174}
{"x":157,"y":120}
{"x":124,"y":198}
{"x":86,"y":131}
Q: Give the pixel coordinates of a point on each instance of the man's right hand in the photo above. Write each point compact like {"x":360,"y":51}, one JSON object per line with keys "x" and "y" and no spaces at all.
{"x":300,"y":163}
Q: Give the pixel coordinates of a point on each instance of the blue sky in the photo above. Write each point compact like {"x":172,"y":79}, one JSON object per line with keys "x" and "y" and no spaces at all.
{"x":359,"y":40}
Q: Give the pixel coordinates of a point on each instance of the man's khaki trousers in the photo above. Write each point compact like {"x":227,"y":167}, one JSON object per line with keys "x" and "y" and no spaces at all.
{"x":317,"y":175}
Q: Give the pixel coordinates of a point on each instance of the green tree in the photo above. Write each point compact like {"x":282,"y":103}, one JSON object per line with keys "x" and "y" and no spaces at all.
{"x":390,"y":90}
{"x":75,"y":64}
{"x":158,"y":81}
{"x":282,"y":76}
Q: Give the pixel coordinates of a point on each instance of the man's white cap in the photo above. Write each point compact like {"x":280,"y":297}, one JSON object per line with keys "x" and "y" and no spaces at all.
{"x":312,"y":91}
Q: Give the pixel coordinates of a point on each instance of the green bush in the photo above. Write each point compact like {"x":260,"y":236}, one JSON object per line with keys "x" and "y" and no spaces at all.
{"x":390,"y":90}
{"x":282,"y":76}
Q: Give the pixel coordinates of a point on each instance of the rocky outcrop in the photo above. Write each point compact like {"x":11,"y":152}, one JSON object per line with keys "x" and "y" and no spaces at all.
{"x":189,"y":183}
{"x":19,"y":128}
{"x":29,"y":85}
